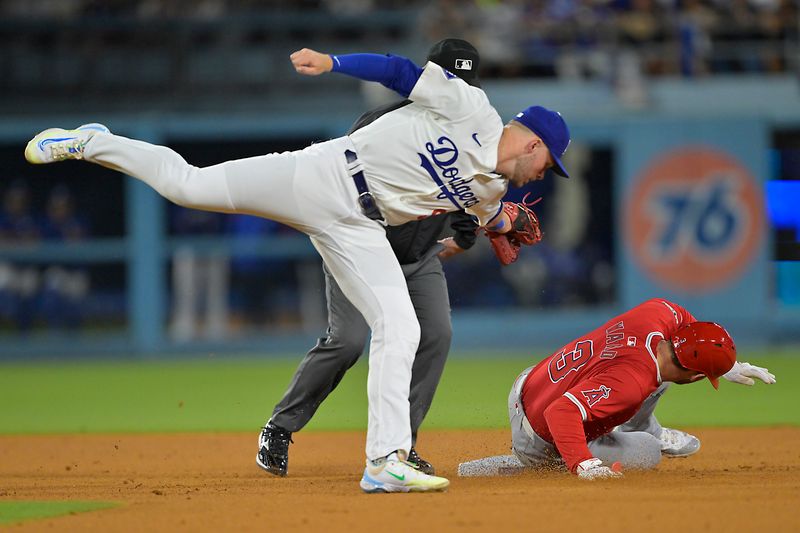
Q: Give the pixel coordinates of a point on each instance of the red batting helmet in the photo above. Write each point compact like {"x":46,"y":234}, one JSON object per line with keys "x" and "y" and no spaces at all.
{"x":705,"y":347}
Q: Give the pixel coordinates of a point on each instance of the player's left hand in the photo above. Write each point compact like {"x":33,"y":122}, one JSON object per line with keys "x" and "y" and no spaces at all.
{"x":593,"y":468}
{"x":450,"y":248}
{"x":743,"y":373}
{"x":524,"y":222}
{"x":311,"y":62}
{"x":523,"y":230}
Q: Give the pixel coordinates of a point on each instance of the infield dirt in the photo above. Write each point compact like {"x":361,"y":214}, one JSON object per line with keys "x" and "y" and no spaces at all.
{"x":741,"y":480}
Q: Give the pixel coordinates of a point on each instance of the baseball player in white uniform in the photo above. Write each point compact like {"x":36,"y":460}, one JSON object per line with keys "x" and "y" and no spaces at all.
{"x":445,"y":151}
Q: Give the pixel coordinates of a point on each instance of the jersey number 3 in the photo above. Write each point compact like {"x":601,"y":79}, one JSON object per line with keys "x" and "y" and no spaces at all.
{"x":565,"y":362}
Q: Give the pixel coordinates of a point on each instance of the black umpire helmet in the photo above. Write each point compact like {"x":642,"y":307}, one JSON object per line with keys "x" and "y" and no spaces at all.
{"x":459,"y":57}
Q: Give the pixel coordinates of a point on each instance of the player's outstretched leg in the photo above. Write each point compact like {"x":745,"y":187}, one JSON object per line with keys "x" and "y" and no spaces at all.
{"x":56,"y":144}
{"x":394,"y":474}
{"x":496,"y":465}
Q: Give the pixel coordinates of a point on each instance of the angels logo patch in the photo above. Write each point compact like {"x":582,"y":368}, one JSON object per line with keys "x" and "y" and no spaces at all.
{"x":595,"y":395}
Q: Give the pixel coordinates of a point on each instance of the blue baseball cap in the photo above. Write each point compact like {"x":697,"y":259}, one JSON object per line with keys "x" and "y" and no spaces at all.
{"x":551,"y":128}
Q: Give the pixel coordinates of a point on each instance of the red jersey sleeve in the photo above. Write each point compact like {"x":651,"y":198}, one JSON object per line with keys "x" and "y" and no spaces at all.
{"x":593,"y":407}
{"x":565,"y":423}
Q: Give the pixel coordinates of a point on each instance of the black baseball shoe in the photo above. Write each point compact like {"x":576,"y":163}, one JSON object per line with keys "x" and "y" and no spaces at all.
{"x":419,"y":463}
{"x":273,"y":449}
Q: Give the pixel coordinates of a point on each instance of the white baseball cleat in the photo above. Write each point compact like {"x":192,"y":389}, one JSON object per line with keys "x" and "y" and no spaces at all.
{"x":56,"y":144}
{"x":676,"y":443}
{"x":394,"y":474}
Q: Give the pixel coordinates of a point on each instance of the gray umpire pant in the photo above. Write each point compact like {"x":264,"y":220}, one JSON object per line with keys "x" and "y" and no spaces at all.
{"x":324,"y":366}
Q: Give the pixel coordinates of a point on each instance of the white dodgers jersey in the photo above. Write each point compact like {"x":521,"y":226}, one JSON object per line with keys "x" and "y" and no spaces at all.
{"x":435,"y":155}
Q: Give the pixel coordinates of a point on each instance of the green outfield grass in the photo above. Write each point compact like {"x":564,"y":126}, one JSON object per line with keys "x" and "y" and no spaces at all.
{"x":18,"y":511}
{"x":238,"y":394}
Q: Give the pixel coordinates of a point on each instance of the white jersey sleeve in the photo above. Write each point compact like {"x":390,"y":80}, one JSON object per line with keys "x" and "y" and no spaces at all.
{"x":446,"y":94}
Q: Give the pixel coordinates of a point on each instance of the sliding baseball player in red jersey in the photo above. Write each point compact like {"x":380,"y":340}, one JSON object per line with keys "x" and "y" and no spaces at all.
{"x":590,"y":405}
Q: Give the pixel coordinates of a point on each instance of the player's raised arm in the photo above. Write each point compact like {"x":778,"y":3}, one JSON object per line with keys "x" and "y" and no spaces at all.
{"x":311,"y":62}
{"x":395,"y":72}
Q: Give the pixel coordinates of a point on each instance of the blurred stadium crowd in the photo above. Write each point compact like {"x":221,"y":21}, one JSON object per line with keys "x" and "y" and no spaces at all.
{"x":29,"y":293}
{"x":565,"y":38}
{"x":580,"y":38}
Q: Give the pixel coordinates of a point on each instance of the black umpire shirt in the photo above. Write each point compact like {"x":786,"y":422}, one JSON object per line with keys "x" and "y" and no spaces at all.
{"x":410,"y":241}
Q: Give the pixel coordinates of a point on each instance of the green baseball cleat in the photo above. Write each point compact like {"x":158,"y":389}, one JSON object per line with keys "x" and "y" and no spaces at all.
{"x":394,"y":474}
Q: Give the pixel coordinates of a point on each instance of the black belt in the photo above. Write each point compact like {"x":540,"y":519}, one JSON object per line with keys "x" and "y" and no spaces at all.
{"x":368,"y":205}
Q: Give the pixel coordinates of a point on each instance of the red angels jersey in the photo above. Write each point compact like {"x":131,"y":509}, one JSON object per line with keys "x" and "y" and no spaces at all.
{"x":600,"y":380}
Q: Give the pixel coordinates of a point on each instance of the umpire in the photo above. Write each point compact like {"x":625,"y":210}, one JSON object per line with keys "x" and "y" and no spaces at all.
{"x":418,"y":249}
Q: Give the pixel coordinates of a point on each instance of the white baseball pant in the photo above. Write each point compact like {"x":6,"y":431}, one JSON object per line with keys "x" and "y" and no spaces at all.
{"x":312,"y":191}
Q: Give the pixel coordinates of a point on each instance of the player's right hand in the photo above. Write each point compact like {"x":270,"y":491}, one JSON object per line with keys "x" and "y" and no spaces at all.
{"x":449,"y":248}
{"x":310,"y":62}
{"x":593,"y":469}
{"x":744,"y":373}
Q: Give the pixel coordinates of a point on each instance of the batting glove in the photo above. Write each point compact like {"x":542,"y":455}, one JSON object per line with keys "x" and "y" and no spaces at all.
{"x":593,"y":469}
{"x":744,"y":373}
